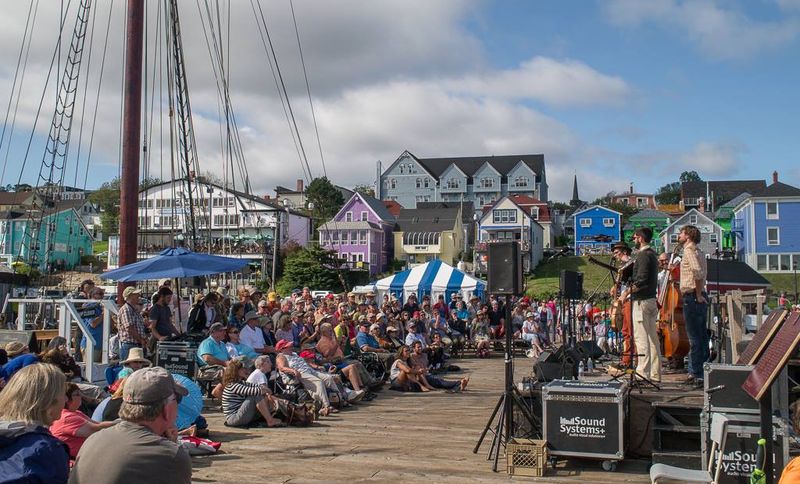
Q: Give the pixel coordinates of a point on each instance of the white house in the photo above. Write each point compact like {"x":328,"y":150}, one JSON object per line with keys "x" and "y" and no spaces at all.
{"x":506,"y":220}
{"x":710,"y":231}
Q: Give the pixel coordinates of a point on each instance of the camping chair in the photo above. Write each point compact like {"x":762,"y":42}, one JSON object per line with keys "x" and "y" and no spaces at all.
{"x":371,"y":362}
{"x":719,"y":433}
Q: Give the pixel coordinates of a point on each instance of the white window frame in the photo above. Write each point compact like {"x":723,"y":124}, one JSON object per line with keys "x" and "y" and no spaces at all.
{"x":777,"y":240}
{"x":487,"y":182}
{"x":419,"y":183}
{"x":362,"y":237}
{"x":713,"y":238}
{"x":453,"y":183}
{"x":585,"y":223}
{"x":609,"y":222}
{"x":692,"y":219}
{"x":426,"y":182}
{"x":504,"y":215}
{"x":392,"y":183}
{"x":535,"y":213}
{"x":348,"y":216}
{"x":521,"y":181}
{"x":364,"y":216}
{"x":774,"y":216}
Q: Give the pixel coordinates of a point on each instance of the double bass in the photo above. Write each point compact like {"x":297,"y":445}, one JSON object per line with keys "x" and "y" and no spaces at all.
{"x":620,"y":313}
{"x":671,"y":324}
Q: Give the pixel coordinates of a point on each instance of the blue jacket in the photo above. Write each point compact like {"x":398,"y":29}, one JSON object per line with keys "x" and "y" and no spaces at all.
{"x":29,"y":453}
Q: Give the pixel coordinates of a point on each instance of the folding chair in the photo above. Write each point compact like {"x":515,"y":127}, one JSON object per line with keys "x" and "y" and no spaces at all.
{"x":719,"y":435}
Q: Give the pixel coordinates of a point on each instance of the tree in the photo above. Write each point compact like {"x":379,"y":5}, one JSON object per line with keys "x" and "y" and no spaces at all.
{"x":670,"y":194}
{"x":314,"y":267}
{"x":327,"y":199}
{"x":364,"y":189}
{"x":107,"y":198}
{"x":688,"y":176}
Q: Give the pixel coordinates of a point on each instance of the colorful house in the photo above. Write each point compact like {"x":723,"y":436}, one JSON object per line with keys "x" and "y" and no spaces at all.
{"x":724,"y":218}
{"x":710,"y":231}
{"x":654,"y":219}
{"x":596,"y":229}
{"x":430,"y":233}
{"x":766,"y":229}
{"x":508,"y":220}
{"x":50,"y":241}
{"x":361,"y":234}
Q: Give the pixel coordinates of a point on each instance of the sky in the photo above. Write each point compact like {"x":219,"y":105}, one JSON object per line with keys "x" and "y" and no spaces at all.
{"x":615,"y":91}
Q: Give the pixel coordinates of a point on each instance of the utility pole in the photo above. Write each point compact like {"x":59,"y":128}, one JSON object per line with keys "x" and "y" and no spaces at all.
{"x":131,"y":137}
{"x":276,"y":247}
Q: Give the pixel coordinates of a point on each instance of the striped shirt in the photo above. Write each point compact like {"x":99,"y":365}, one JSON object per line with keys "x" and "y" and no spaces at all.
{"x":129,"y":317}
{"x":693,"y":267}
{"x":234,"y":395}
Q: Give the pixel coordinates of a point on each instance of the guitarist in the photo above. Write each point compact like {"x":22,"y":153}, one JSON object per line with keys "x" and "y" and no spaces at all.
{"x":621,"y":308}
{"x":643,"y":289}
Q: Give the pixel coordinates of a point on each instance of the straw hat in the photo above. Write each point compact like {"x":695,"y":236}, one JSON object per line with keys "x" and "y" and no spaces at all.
{"x":14,"y":348}
{"x":136,"y":355}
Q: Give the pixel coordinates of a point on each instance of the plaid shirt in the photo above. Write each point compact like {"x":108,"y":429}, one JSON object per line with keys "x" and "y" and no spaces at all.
{"x":693,"y":267}
{"x":129,"y":318}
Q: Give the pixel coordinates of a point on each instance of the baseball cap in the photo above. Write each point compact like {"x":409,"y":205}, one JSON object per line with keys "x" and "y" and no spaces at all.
{"x":129,"y":291}
{"x":151,"y":385}
{"x":282,"y":344}
{"x":307,"y":354}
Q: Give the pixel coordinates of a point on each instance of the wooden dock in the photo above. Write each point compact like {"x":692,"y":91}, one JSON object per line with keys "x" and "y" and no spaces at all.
{"x":401,"y":437}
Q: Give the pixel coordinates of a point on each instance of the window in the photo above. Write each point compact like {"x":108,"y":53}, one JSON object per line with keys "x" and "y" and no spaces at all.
{"x":231,"y":201}
{"x":761,"y":262}
{"x":641,"y":202}
{"x":504,"y":216}
{"x":712,"y":238}
{"x":504,"y":235}
{"x":427,"y":182}
{"x":786,"y":262}
{"x":521,"y":181}
{"x":772,"y":262}
{"x":358,"y":257}
{"x":487,"y":182}
{"x":453,"y":183}
{"x":353,"y":237}
{"x":364,"y":216}
{"x":692,"y":202}
{"x":423,"y":198}
{"x":772,"y":210}
{"x":693,"y":219}
{"x":144,"y":221}
{"x":419,"y":182}
{"x":227,"y":219}
{"x":218,"y":202}
{"x":773,"y":236}
{"x":345,"y":237}
{"x":535,"y":213}
{"x":348,"y":217}
{"x":362,"y":235}
{"x":335,"y":235}
{"x":402,"y":167}
{"x":608,"y":222}
{"x":586,"y":222}
{"x":392,"y":183}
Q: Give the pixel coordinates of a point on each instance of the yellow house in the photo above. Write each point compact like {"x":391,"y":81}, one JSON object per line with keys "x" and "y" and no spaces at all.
{"x":425,"y":234}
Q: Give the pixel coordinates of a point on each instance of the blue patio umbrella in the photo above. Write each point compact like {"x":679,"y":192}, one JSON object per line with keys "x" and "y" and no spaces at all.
{"x":175,"y":262}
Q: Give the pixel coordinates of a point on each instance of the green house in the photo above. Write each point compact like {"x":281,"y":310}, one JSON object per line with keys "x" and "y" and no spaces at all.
{"x":648,"y":217}
{"x":723,"y":218}
{"x":22,"y":236}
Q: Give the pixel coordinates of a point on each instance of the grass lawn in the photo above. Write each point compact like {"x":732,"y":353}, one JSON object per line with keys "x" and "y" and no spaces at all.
{"x":545,"y":279}
{"x":781,"y":283}
{"x":100,"y":246}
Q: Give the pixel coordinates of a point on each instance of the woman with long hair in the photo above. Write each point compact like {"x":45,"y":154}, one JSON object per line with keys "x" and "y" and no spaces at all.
{"x":404,"y":378}
{"x":242,"y":401}
{"x":29,"y":403}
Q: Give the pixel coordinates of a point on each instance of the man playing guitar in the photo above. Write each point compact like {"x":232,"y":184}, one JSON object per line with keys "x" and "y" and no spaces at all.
{"x":620,"y":311}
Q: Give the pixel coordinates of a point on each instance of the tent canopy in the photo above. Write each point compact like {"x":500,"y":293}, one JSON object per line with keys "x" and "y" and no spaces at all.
{"x":432,"y":278}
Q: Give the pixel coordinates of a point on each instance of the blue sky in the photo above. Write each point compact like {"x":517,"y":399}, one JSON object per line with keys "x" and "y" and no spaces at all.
{"x":616,"y":91}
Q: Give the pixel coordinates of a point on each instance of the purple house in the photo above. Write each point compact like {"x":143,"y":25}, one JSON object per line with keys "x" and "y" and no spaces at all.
{"x":361,"y":233}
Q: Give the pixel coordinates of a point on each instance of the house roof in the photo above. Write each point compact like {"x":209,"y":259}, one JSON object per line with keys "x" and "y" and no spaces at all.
{"x":734,"y":272}
{"x":15,"y":198}
{"x":705,"y":215}
{"x":723,"y":189}
{"x":584,"y":209}
{"x":726,"y":209}
{"x":378,"y":207}
{"x":649,"y":213}
{"x":10,"y":215}
{"x":527,"y":203}
{"x":356,"y":225}
{"x":778,"y":189}
{"x":393,"y":207}
{"x":427,"y":219}
{"x":470,"y":164}
{"x":467,"y":208}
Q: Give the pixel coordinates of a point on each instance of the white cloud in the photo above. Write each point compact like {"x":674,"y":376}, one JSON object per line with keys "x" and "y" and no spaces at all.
{"x":560,"y":83}
{"x":714,"y":159}
{"x":718,"y":32}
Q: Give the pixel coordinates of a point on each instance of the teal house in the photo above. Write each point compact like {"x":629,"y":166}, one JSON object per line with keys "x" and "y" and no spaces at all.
{"x":648,"y":217}
{"x":23,"y":238}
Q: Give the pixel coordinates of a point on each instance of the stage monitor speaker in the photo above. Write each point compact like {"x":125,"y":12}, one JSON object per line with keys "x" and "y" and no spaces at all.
{"x":504,"y":269}
{"x":589,"y":349}
{"x":569,"y":355}
{"x":571,"y":284}
{"x":548,"y":357}
{"x":546,"y":372}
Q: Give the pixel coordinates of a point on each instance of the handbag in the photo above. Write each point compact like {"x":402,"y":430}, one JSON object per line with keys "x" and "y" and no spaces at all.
{"x":298,"y":415}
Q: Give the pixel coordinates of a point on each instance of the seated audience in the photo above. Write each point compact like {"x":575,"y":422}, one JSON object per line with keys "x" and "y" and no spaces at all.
{"x":212,"y":354}
{"x":142,"y":446}
{"x":419,"y":361}
{"x":253,"y":336}
{"x":204,"y":313}
{"x":368,"y":344}
{"x":403,"y":377}
{"x":242,"y":401}
{"x":315,"y":382}
{"x":30,"y":402}
{"x":18,"y":358}
{"x":74,"y":427}
{"x":236,"y":348}
{"x":135,"y":361}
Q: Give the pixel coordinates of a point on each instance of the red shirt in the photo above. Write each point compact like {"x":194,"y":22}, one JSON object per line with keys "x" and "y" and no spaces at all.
{"x":66,"y":428}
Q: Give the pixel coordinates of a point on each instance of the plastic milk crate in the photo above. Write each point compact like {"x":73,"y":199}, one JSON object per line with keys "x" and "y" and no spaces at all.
{"x":526,"y":457}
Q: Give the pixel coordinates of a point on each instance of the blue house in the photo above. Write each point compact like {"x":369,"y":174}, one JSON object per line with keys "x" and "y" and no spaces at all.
{"x":596,"y":230}
{"x":766,"y":228}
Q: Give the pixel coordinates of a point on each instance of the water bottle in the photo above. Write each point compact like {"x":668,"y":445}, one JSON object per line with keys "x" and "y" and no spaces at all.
{"x":590,"y":366}
{"x":580,"y":371}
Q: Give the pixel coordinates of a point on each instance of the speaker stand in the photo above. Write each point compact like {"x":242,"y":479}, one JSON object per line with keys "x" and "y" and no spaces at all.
{"x":503,"y":427}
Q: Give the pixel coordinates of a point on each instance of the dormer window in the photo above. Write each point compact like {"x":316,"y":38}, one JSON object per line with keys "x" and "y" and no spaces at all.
{"x":453,"y":183}
{"x":487,"y":182}
{"x":521,"y":181}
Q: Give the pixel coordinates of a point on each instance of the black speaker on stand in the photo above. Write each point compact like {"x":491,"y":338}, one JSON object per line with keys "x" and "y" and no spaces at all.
{"x":504,"y":273}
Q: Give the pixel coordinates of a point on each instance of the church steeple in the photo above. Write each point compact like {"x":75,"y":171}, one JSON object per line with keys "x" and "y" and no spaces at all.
{"x":576,"y":201}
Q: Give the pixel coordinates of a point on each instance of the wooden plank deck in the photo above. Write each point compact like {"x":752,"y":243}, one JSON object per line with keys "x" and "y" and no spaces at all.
{"x":400,"y":437}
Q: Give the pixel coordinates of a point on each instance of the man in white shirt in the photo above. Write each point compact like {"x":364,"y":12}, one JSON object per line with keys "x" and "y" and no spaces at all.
{"x":261,"y":372}
{"x":251,"y":335}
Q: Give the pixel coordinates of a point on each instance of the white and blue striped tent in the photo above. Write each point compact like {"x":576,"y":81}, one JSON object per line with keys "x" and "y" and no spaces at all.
{"x":432,"y":278}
